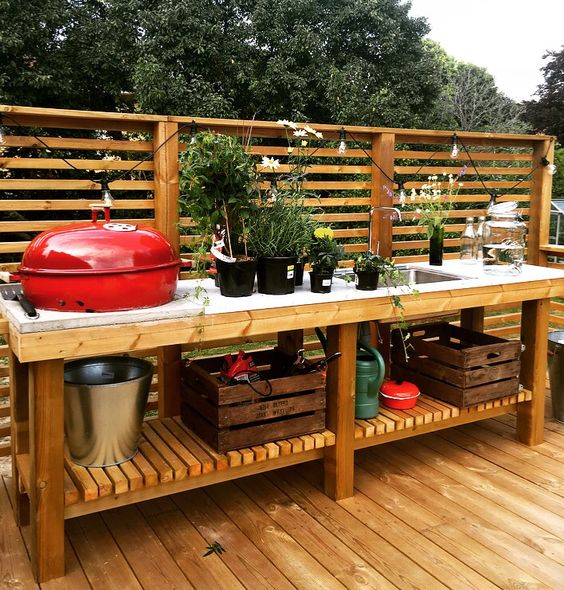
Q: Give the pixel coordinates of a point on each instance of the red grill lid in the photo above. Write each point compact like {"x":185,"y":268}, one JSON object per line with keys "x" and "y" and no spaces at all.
{"x":399,"y":389}
{"x":98,"y":247}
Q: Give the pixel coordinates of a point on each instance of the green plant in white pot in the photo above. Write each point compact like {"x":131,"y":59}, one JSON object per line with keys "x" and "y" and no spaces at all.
{"x":218,"y":185}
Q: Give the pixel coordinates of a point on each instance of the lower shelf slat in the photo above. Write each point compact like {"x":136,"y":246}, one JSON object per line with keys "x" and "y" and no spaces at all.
{"x":434,"y":415}
{"x":170,"y":452}
{"x":181,"y":460}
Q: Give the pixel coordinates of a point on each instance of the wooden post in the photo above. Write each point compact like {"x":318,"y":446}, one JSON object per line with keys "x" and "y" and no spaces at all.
{"x":169,"y":370}
{"x":341,"y":379}
{"x":19,"y":410}
{"x":472,"y":319}
{"x":534,"y":335}
{"x":539,"y":212}
{"x":166,"y":181}
{"x":47,"y":469}
{"x":291,"y":341}
{"x":383,"y":146}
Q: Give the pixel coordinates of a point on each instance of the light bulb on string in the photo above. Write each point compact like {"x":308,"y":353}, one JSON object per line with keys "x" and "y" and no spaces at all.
{"x":402,"y":194}
{"x":342,"y":143}
{"x":193,"y":131}
{"x":2,"y":132}
{"x":106,"y":193}
{"x":455,"y":151}
{"x":550,"y":168}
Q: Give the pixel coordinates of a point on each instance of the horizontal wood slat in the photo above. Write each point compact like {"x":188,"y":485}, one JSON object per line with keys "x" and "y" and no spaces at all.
{"x":454,"y":170}
{"x":33,"y":184}
{"x":71,"y":204}
{"x":463,"y":157}
{"x":72,"y":143}
{"x":58,"y":164}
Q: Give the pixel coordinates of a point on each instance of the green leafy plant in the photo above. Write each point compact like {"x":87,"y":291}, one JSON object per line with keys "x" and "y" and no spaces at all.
{"x":218,"y":185}
{"x":369,"y":262}
{"x":214,"y":548}
{"x":436,"y":200}
{"x":283,"y":225}
{"x":324,"y":253}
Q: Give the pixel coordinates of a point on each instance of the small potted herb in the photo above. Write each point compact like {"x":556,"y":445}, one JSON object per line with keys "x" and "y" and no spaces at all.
{"x":218,"y":186}
{"x":280,"y":233}
{"x":367,"y":269}
{"x":324,"y":254}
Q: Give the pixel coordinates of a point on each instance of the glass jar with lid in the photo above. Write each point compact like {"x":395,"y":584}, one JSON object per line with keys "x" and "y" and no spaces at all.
{"x":503,"y":240}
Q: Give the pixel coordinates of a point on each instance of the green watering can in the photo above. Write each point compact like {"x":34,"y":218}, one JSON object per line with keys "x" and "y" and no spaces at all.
{"x":370,"y":371}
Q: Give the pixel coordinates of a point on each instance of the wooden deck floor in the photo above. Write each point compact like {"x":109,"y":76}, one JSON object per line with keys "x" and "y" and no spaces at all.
{"x":465,"y":508}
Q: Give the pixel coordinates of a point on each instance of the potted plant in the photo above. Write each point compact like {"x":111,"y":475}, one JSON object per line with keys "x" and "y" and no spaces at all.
{"x":324,"y":254}
{"x":279,"y":234}
{"x":283,"y":225}
{"x":218,"y":186}
{"x":367,"y":269}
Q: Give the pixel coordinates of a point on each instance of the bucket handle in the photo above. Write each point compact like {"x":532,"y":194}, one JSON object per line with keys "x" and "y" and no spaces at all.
{"x":377,"y":356}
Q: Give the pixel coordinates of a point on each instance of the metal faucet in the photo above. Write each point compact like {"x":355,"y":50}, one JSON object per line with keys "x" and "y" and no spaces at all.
{"x":370,"y":219}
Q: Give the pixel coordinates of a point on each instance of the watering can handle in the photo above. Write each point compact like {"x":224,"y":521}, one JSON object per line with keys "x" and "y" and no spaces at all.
{"x":377,"y":356}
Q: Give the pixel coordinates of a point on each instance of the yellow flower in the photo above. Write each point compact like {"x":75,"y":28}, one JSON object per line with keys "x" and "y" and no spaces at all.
{"x":323,"y":232}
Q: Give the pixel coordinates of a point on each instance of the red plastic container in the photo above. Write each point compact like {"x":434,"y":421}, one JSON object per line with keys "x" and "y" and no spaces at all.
{"x":95,"y":267}
{"x":399,"y":395}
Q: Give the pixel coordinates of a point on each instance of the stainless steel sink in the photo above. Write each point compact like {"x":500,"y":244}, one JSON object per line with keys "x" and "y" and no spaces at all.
{"x":411,"y":274}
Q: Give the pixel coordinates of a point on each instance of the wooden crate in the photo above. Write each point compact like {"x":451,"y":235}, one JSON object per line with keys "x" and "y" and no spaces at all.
{"x":235,"y":416}
{"x":456,"y":365}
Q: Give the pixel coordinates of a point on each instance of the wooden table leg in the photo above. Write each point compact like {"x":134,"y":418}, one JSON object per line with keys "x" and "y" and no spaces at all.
{"x":341,"y":378}
{"x":47,"y":469}
{"x":472,"y":319}
{"x":19,"y":418}
{"x":534,"y":335}
{"x":169,"y":368}
{"x":291,"y":341}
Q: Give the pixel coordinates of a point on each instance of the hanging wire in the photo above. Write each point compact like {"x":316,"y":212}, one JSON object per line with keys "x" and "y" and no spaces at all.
{"x":370,"y":158}
{"x":493,"y":194}
{"x":192,"y":125}
{"x":5,"y":116}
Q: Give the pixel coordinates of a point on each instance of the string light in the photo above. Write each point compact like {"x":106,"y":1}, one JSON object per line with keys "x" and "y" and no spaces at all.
{"x":550,"y":168}
{"x":2,"y":132}
{"x":402,"y":195}
{"x":106,"y":193}
{"x":342,"y":144}
{"x":455,"y":151}
{"x":193,"y":131}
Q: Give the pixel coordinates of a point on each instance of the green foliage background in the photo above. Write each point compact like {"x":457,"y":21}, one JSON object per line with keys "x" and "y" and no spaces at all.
{"x":338,"y":61}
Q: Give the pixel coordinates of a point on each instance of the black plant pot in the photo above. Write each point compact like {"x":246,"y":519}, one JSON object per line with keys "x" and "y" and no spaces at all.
{"x":321,"y":281}
{"x":275,"y":275}
{"x":299,"y":276}
{"x":366,"y":280}
{"x":236,"y":279}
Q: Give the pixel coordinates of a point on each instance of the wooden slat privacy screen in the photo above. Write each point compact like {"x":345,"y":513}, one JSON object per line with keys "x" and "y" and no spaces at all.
{"x":38,"y":190}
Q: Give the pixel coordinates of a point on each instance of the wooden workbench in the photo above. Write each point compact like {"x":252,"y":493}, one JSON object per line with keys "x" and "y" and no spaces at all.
{"x":46,"y":493}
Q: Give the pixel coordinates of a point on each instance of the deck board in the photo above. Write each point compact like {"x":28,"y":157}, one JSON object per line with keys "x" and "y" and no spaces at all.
{"x":466,"y":507}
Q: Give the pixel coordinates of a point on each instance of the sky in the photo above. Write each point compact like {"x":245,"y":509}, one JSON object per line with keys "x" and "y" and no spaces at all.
{"x":507,"y":37}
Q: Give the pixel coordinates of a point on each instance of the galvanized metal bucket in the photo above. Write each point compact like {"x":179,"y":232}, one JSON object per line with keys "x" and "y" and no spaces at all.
{"x":105,"y":400}
{"x":556,"y":373}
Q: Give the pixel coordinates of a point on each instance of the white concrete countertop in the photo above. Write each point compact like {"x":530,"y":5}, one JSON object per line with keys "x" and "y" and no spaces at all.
{"x":187,"y":304}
